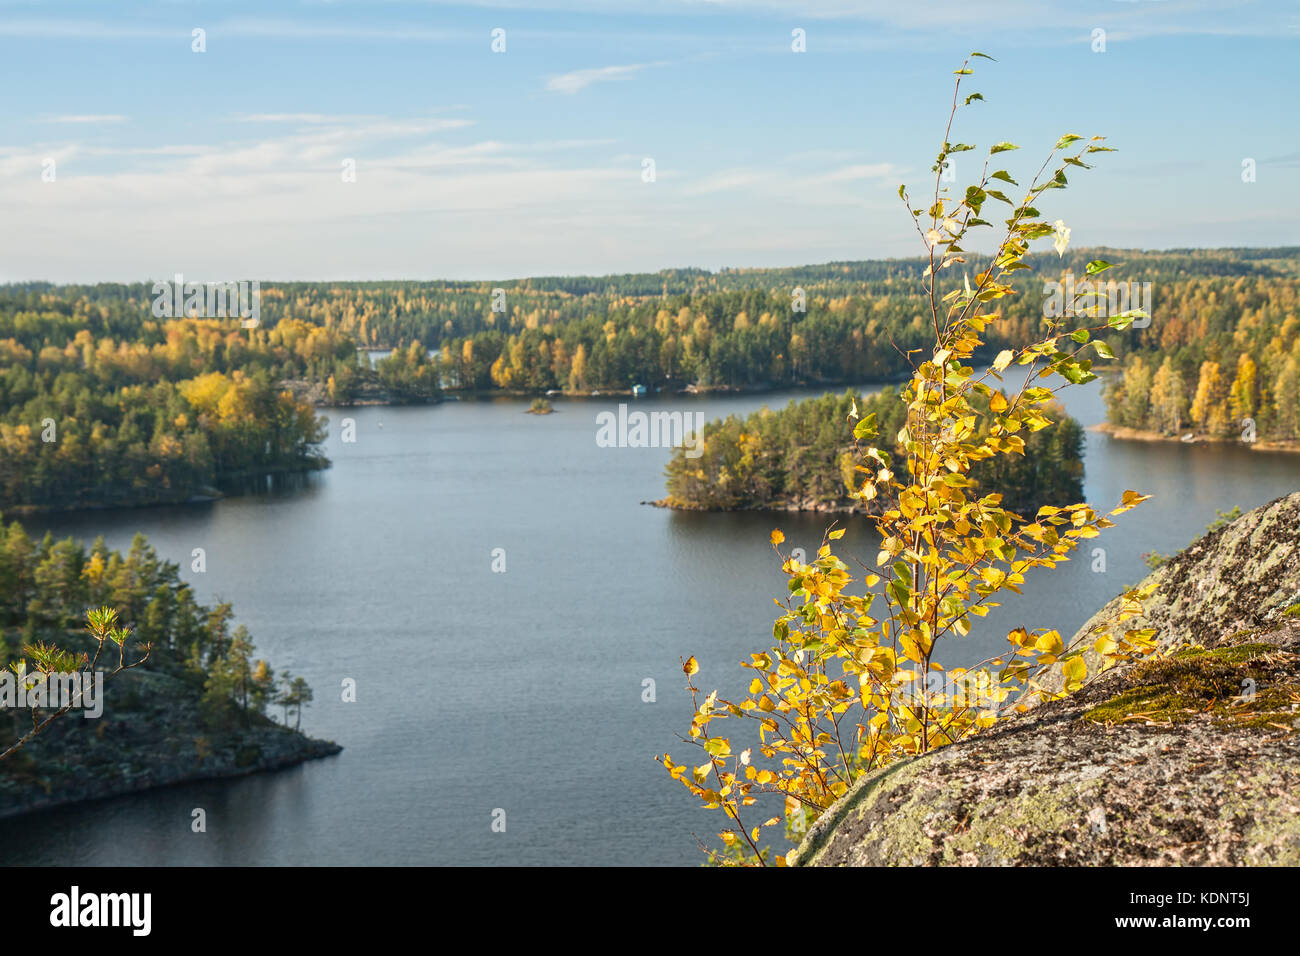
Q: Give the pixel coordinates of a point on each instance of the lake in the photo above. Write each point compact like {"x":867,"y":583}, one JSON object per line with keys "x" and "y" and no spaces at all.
{"x":522,"y":690}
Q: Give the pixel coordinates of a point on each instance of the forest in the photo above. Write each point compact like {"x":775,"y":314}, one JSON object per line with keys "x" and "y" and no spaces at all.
{"x":834,"y":324}
{"x":803,"y":457}
{"x":102,"y":404}
{"x":99,"y":409}
{"x":46,"y":587}
{"x":1226,"y":365}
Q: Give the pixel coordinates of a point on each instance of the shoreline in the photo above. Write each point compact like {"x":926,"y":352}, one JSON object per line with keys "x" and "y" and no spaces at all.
{"x":786,"y":508}
{"x":1125,"y":433}
{"x":307,"y":749}
{"x":692,"y":390}
{"x":204,"y":495}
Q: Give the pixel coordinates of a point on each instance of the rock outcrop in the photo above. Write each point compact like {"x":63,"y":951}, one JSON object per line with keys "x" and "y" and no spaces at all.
{"x":153,"y":733}
{"x":1192,"y":758}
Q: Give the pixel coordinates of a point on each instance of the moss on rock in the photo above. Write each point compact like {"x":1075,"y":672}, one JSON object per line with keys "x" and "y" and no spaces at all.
{"x":1189,"y":759}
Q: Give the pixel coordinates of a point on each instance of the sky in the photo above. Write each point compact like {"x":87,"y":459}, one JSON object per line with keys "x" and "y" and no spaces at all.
{"x":416,"y":139}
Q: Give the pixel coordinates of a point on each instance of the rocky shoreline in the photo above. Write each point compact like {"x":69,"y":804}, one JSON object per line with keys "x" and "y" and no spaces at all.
{"x":151,"y":734}
{"x":280,"y":758}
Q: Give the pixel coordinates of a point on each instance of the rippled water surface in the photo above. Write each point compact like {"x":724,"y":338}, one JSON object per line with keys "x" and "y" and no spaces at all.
{"x":523,"y":690}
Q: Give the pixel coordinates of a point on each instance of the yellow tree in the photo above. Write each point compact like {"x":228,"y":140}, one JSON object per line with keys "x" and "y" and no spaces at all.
{"x":578,"y":372}
{"x":1243,"y":397}
{"x":850,"y":683}
{"x":1210,"y":404}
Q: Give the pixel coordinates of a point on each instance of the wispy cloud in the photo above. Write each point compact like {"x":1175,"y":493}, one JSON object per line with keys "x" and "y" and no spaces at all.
{"x":87,"y":118}
{"x":83,"y":30}
{"x":727,"y":180}
{"x":312,"y":29}
{"x":858,"y":171}
{"x":577,"y":80}
{"x":310,"y":118}
{"x":788,"y":180}
{"x":80,"y":29}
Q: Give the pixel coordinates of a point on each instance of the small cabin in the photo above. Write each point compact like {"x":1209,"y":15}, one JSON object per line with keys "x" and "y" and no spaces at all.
{"x":638,"y":391}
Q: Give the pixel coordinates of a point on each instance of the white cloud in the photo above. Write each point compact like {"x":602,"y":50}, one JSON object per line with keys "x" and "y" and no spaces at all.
{"x":581,"y":79}
{"x":310,"y":29}
{"x":83,"y":30}
{"x":310,"y":118}
{"x":859,"y":171}
{"x":73,"y":29}
{"x":728,"y":180}
{"x":88,"y":118}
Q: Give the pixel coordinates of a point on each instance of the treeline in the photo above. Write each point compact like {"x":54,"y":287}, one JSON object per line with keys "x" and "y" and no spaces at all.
{"x":94,"y":412}
{"x":46,"y":586}
{"x":834,"y":323}
{"x":803,"y":457}
{"x":1220,"y":359}
{"x":172,"y":413}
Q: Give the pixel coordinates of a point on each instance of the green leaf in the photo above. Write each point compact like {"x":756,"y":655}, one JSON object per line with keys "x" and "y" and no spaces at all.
{"x":984,"y":55}
{"x":1071,"y":373}
{"x":1103,"y":349}
{"x":1002,"y":148}
{"x":1003,"y":175}
{"x":1098,"y":265}
{"x":973,"y":96}
{"x":866,"y":427}
{"x":1066,"y":140}
{"x":1080,"y":335}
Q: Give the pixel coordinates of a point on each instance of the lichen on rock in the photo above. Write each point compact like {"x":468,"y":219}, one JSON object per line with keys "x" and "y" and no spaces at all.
{"x":1188,"y":759}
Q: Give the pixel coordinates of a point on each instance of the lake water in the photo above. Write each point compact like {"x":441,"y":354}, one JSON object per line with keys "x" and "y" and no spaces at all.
{"x":522,"y":690}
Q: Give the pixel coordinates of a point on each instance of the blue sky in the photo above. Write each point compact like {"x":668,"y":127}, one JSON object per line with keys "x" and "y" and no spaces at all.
{"x":228,"y":164}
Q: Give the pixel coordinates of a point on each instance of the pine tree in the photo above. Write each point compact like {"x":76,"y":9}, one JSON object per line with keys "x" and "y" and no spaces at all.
{"x":302,"y":696}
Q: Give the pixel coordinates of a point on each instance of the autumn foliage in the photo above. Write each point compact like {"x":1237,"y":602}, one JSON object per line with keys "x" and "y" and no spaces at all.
{"x":850,"y":683}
